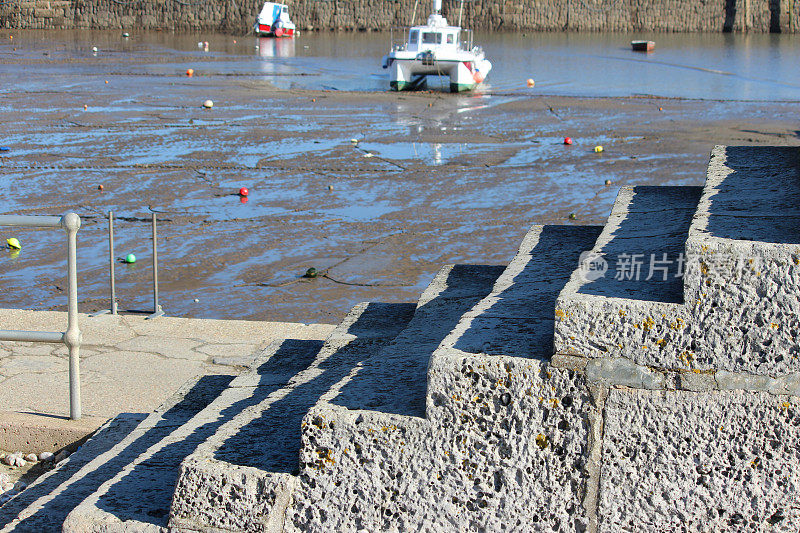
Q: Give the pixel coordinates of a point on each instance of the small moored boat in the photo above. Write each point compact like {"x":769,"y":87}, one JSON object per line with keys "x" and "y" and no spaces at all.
{"x":436,"y":49}
{"x":643,"y":46}
{"x":273,"y":21}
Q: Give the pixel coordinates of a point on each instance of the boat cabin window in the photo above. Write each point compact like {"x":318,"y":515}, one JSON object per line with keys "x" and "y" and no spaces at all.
{"x":430,"y":37}
{"x":413,"y":37}
{"x":285,"y":9}
{"x":451,"y":38}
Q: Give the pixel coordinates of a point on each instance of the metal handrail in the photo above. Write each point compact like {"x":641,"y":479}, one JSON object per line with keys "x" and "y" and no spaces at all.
{"x":72,"y":338}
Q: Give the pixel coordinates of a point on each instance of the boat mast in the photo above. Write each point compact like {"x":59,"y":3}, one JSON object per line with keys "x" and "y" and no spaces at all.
{"x":460,"y":12}
{"x":414,"y":12}
{"x":437,"y":6}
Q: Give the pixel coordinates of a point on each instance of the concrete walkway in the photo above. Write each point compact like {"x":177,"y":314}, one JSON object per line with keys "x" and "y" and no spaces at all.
{"x":128,"y":364}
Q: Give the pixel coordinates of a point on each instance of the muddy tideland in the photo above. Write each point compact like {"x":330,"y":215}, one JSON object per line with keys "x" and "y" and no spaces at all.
{"x":375,"y":190}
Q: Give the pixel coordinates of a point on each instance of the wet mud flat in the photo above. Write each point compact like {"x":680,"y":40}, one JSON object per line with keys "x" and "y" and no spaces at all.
{"x":431,"y":179}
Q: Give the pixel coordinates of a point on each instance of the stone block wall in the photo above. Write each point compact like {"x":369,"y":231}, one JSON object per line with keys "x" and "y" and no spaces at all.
{"x":365,"y":15}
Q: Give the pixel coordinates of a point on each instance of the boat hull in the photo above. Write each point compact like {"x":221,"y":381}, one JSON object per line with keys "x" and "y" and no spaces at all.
{"x":409,"y":74}
{"x":263,"y":30}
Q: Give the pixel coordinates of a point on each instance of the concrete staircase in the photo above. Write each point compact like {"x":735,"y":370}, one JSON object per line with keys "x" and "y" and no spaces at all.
{"x":637,"y":376}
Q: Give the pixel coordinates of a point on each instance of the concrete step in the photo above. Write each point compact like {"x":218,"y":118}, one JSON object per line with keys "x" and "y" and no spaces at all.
{"x":507,"y":441}
{"x":630,"y":305}
{"x":249,"y":461}
{"x":393,"y":380}
{"x":45,"y":505}
{"x":743,"y":284}
{"x":700,"y":461}
{"x":137,"y":496}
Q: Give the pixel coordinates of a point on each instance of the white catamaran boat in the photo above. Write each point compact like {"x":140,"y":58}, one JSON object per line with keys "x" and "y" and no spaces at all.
{"x":436,"y":49}
{"x":273,"y":21}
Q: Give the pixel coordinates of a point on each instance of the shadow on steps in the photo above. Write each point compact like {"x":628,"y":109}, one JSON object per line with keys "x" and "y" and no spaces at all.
{"x":518,"y":320}
{"x":760,"y":199}
{"x":271,"y":441}
{"x":144,"y":493}
{"x":395,"y":379}
{"x":644,"y":243}
{"x":45,"y":504}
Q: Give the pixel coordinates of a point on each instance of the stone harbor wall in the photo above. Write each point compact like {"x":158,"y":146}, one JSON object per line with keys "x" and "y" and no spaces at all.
{"x":366,"y":15}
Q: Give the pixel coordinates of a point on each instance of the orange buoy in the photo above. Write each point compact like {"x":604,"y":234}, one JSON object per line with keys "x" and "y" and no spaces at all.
{"x":190,"y":72}
{"x":531,"y":83}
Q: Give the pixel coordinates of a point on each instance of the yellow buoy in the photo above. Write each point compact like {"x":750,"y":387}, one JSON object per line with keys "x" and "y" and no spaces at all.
{"x":208,"y":104}
{"x":598,"y":149}
{"x":13,"y":243}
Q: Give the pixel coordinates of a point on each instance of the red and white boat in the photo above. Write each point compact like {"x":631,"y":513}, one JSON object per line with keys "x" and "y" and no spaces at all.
{"x":273,"y":21}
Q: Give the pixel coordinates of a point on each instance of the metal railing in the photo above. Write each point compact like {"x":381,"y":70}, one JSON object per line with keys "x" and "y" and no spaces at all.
{"x":70,"y":222}
{"x":157,"y":310}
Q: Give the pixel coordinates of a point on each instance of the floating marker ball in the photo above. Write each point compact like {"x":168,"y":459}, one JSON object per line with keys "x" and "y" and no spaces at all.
{"x":100,"y":187}
{"x":13,"y":243}
{"x":243,"y":191}
{"x":94,"y":49}
{"x":208,"y":104}
{"x":126,"y":35}
{"x":531,"y":83}
{"x":608,"y":182}
{"x":567,"y":140}
{"x":598,"y":149}
{"x":310,"y":273}
{"x":190,"y":72}
{"x":572,"y":216}
{"x":130,"y":258}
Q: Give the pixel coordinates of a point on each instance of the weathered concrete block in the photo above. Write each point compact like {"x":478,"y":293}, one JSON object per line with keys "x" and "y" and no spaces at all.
{"x":507,"y":448}
{"x":705,"y":461}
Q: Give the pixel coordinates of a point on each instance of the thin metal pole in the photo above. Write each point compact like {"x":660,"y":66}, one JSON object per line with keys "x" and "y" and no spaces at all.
{"x":72,"y":337}
{"x":155,"y":265}
{"x":157,"y":311}
{"x":111,"y":262}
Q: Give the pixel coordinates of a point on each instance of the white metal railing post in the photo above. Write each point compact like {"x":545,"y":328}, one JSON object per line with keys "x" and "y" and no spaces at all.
{"x":157,"y":311}
{"x":111,"y":262}
{"x":72,"y":337}
{"x":70,"y":222}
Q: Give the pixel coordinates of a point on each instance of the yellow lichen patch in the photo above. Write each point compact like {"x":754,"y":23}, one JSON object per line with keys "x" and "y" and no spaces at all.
{"x":644,"y":347}
{"x":622,"y":313}
{"x":554,"y":401}
{"x":686,"y":358}
{"x":796,"y":260}
{"x":774,"y":325}
{"x":786,"y":405}
{"x":561,"y":315}
{"x":678,"y":324}
{"x":704,"y":248}
{"x":704,"y":268}
{"x":541,"y":441}
{"x":661,"y":342}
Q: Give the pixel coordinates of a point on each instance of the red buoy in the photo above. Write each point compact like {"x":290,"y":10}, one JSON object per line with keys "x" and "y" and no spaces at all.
{"x":243,"y":191}
{"x":567,"y":140}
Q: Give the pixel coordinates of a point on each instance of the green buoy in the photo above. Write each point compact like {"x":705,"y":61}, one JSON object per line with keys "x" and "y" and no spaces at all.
{"x":130,"y":258}
{"x":310,"y":273}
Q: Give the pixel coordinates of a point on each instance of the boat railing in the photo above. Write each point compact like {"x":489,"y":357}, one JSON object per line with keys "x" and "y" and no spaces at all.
{"x":466,"y":43}
{"x":398,"y":38}
{"x":70,"y":222}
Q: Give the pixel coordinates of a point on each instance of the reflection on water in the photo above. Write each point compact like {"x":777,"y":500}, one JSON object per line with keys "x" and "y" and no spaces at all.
{"x":272,"y":47}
